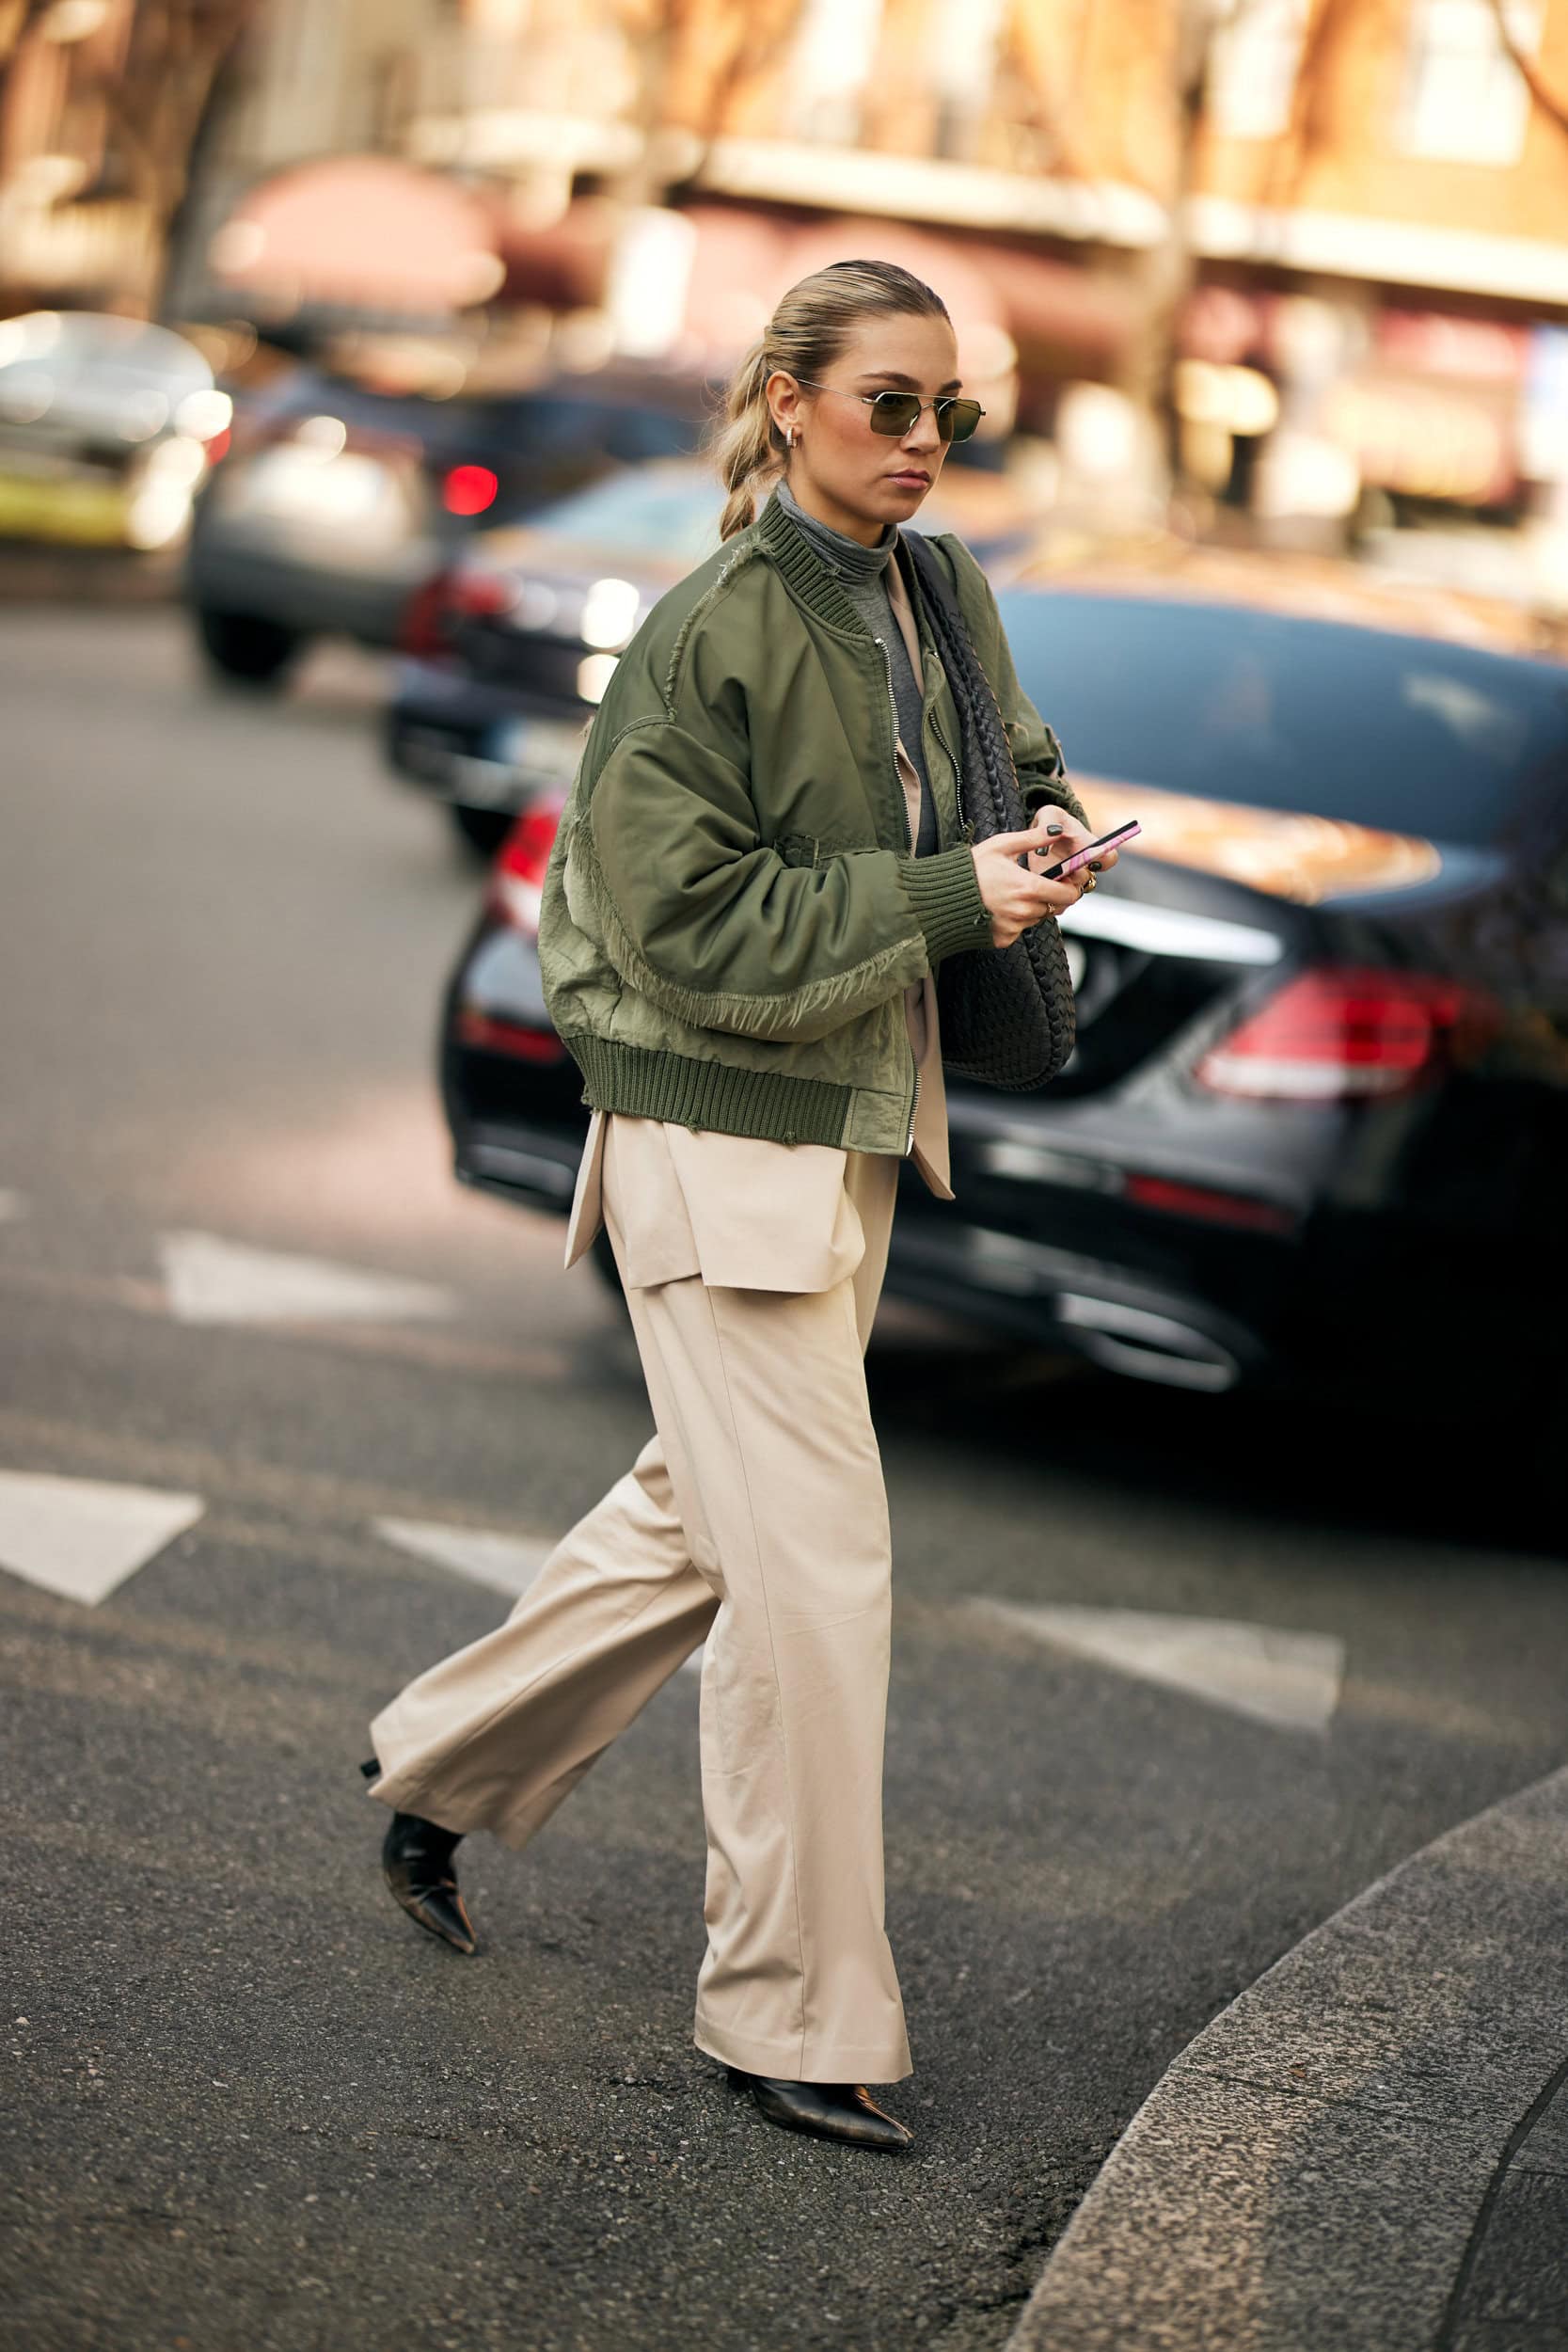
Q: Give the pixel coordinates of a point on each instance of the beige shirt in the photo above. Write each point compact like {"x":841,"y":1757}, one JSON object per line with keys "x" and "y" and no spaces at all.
{"x":743,"y":1210}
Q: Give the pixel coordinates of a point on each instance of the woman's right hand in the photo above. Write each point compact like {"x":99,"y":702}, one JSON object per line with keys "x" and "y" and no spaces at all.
{"x":1015,"y":898}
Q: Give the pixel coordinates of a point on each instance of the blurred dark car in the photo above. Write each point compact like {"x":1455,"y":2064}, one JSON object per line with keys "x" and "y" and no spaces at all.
{"x":1314,"y":1134}
{"x":335,"y":500}
{"x":107,"y":424}
{"x":508,"y":649}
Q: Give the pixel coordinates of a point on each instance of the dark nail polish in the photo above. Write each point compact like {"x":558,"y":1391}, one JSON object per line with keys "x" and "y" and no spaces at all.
{"x":1053,"y":829}
{"x":1096,"y":865}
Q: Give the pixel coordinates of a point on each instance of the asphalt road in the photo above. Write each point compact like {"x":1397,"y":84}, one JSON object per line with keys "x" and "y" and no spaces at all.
{"x":251,"y":2107}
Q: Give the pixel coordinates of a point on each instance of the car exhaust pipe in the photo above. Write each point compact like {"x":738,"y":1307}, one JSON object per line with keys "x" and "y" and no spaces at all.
{"x":1147,"y":1347}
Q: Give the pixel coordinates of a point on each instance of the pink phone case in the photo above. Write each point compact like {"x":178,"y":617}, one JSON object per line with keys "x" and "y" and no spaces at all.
{"x":1081,"y":857}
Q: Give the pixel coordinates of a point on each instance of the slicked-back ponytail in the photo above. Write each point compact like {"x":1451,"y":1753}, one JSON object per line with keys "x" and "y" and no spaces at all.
{"x":805,"y":335}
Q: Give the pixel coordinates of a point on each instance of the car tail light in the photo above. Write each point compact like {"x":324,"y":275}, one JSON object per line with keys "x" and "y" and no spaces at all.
{"x":423,"y":631}
{"x":470,"y":489}
{"x":220,"y":445}
{"x":1342,"y":1031}
{"x":491,"y":1036}
{"x":468,"y":592}
{"x":517,"y":876}
{"x":1242,"y":1210}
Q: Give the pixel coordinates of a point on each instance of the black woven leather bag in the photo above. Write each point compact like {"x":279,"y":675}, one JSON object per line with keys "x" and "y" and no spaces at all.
{"x":1005,"y":1014}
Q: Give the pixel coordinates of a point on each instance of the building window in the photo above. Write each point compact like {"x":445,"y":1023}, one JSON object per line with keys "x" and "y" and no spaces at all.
{"x":1465,"y":100}
{"x":834,"y":51}
{"x":1253,"y":61}
{"x":966,"y":37}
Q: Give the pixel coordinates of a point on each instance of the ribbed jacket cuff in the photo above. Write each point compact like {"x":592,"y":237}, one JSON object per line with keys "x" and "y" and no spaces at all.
{"x":1058,"y":794}
{"x":945,"y":891}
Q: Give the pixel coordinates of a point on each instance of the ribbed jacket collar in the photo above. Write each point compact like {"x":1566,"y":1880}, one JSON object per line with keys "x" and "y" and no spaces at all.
{"x":859,"y":566}
{"x":804,"y":570}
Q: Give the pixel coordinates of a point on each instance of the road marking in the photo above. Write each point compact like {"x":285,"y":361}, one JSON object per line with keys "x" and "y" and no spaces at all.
{"x":1292,"y":1680}
{"x":508,"y":1564}
{"x":13,"y":1204}
{"x":209,"y":1280}
{"x":81,"y":1537}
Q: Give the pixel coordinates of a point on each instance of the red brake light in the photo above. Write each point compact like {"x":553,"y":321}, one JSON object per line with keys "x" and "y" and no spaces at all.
{"x":1213,"y":1208}
{"x":423,"y":632}
{"x":508,"y":1036}
{"x":470,"y":489}
{"x":469,"y":591}
{"x":517,"y":876}
{"x":1344,"y":1031}
{"x":220,"y":445}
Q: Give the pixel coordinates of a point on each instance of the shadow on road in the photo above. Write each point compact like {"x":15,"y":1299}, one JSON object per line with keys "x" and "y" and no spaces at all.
{"x":1317,"y":1465}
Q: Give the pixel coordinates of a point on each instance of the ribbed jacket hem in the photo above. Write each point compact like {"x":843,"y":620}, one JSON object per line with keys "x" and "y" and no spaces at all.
{"x":945,"y":890}
{"x":647,"y":1083}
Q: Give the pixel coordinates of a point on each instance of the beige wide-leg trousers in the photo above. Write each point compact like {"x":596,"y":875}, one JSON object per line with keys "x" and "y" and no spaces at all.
{"x":755,"y":1517}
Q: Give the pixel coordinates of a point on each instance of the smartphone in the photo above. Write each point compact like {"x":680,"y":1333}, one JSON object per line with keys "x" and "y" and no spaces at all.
{"x":1081,"y":857}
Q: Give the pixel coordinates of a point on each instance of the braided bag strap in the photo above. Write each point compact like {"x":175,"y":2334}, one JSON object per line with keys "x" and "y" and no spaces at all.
{"x":1007,"y":1014}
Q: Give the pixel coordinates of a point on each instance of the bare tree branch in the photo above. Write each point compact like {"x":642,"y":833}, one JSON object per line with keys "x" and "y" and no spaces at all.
{"x":695,"y":58}
{"x":17,"y":19}
{"x":155,"y":103}
{"x":1554,"y":108}
{"x":1033,"y":39}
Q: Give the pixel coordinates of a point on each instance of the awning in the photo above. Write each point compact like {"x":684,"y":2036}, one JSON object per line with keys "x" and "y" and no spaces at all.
{"x":745,"y":259}
{"x":563,"y":264}
{"x":360,"y":234}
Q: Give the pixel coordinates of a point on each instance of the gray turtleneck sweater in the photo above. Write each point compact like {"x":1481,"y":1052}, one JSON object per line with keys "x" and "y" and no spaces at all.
{"x":862,"y":572}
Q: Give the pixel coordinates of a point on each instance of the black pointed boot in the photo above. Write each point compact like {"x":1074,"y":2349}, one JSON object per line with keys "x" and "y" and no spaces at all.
{"x":416,"y":1862}
{"x":831,"y":2110}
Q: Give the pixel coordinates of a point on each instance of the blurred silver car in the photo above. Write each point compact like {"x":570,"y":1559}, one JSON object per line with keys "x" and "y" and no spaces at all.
{"x":338,"y":500}
{"x":106,"y":427}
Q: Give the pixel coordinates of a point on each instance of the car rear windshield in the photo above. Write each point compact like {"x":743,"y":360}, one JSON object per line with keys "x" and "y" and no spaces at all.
{"x":527,"y":426}
{"x":642,"y":511}
{"x":1407,"y":733}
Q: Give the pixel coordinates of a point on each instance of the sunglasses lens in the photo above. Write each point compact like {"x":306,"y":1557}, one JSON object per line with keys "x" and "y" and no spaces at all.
{"x":958,"y":418}
{"x":894,"y":413}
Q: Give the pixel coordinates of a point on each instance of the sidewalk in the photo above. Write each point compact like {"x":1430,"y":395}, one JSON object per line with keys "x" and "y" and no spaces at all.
{"x":38,"y":572}
{"x":1368,"y":2152}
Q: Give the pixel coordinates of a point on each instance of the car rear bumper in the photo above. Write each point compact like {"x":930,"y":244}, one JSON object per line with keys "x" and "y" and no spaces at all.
{"x":1045,"y":1297}
{"x":455,"y":737}
{"x":535,"y":1168}
{"x":367,"y":606}
{"x":1055,"y":1298}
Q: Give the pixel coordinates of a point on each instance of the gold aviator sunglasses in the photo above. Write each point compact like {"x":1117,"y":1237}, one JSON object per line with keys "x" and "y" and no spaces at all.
{"x":893,"y":414}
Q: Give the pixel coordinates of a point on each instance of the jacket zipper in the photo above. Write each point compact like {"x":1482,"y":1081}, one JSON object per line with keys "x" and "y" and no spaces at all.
{"x":892,"y":705}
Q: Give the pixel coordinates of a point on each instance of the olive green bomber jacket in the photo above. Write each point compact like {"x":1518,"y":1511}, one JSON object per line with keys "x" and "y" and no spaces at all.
{"x":731,"y":910}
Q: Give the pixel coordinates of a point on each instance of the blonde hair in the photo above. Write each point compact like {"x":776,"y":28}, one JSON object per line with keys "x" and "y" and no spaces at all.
{"x":805,"y":335}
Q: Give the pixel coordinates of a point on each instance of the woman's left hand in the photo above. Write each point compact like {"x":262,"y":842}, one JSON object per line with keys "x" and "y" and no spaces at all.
{"x":1063,"y":835}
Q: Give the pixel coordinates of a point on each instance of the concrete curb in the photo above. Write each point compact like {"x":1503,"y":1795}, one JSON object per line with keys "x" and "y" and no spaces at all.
{"x":37,"y":574}
{"x":1321,"y":2165}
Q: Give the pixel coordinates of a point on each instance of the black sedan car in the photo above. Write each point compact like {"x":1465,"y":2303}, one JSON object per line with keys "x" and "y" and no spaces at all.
{"x":1314,"y":1134}
{"x":336,"y":500}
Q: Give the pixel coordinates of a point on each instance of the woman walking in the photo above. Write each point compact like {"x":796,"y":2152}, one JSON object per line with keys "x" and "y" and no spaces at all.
{"x":759,"y":871}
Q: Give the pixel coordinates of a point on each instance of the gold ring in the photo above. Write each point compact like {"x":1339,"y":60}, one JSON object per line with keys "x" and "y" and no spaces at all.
{"x":1090,"y":882}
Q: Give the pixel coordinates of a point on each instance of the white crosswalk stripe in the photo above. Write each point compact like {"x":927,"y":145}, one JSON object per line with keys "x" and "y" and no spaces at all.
{"x":508,"y":1564}
{"x":209,"y":1280}
{"x":81,"y":1537}
{"x":1289,"y":1679}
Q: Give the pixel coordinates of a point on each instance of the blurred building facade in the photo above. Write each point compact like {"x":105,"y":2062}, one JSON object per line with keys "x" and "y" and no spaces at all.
{"x":1346,"y":221}
{"x":1322,"y":243}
